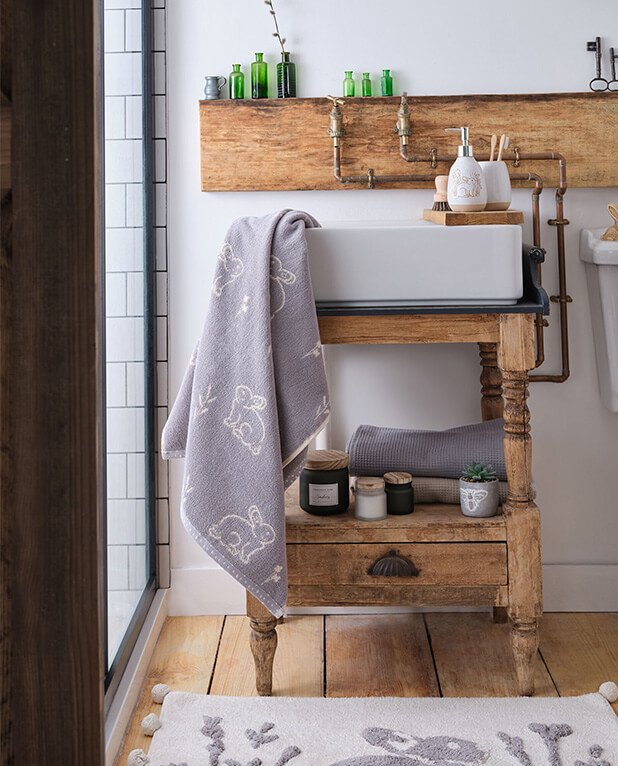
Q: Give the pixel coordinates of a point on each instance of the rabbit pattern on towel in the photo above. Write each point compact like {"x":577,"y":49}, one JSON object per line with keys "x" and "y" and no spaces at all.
{"x":278,"y":277}
{"x":245,"y":420}
{"x":229,"y":268}
{"x":243,"y":537}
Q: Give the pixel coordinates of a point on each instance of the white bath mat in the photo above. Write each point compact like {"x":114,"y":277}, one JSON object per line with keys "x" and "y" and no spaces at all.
{"x":200,"y":730}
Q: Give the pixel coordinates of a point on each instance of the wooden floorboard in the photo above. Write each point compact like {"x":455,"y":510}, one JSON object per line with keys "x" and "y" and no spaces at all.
{"x":385,"y":656}
{"x":299,"y":661}
{"x":378,"y":655}
{"x":580,"y":650}
{"x":473,"y":657}
{"x":184,"y":659}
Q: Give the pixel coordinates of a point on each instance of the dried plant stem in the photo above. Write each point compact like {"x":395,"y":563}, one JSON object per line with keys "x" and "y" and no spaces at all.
{"x":277,"y":33}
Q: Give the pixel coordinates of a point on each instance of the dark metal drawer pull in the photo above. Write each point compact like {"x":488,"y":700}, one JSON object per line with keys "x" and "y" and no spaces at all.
{"x":393,"y":565}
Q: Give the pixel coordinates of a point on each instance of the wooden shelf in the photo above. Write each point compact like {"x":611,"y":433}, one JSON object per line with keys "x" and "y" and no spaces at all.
{"x":428,"y":523}
{"x":283,"y":144}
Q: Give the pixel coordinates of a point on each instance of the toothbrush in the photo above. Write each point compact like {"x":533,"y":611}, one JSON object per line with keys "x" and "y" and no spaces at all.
{"x":494,"y":141}
{"x":504,"y":142}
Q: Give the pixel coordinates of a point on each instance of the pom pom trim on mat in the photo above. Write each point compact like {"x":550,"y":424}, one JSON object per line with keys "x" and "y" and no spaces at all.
{"x":159,"y":692}
{"x":609,"y":690}
{"x":150,"y":724}
{"x":138,"y":758}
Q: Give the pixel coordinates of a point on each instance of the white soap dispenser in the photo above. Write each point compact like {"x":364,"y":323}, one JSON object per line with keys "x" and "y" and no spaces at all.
{"x":466,"y":188}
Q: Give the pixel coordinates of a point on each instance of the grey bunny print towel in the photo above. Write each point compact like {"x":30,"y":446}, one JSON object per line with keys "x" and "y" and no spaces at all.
{"x":253,"y":397}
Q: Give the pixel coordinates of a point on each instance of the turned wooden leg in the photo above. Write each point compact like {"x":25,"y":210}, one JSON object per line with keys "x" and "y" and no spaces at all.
{"x":263,"y":642}
{"x":515,"y":357}
{"x":491,"y":382}
{"x":525,"y":645}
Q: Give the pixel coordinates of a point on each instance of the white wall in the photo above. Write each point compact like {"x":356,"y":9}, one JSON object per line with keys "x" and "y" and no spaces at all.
{"x":433,"y":48}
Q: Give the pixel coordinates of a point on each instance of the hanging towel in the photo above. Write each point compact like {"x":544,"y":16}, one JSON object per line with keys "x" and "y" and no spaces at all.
{"x":374,"y":450}
{"x":253,"y":397}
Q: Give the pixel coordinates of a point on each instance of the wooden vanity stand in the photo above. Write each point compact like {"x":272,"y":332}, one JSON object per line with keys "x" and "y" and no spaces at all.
{"x":459,"y":560}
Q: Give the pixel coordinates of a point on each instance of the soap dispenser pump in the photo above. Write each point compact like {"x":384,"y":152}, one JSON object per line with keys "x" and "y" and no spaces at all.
{"x":466,"y":187}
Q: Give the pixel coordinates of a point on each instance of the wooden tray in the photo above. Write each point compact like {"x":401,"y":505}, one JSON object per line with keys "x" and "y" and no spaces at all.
{"x":449,"y":218}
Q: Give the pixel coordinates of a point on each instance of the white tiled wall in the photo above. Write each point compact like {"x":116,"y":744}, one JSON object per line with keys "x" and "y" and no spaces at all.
{"x":125,"y":326}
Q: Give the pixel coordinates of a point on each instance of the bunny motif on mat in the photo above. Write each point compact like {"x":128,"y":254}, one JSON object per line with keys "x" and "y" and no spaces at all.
{"x":245,"y":420}
{"x":611,"y":235}
{"x":243,"y":537}
{"x":409,"y":750}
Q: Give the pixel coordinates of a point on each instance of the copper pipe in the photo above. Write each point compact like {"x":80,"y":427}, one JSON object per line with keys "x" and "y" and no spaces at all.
{"x":539,"y":321}
{"x":403,"y":130}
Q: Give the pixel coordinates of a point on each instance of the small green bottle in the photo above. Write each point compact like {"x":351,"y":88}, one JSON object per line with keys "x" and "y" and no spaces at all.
{"x":259,"y":77}
{"x":237,"y":82}
{"x":348,"y":84}
{"x":366,"y":84}
{"x":387,"y":83}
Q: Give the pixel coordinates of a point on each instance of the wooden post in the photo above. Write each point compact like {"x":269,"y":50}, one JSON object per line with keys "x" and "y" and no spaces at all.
{"x":263,"y":641}
{"x":491,"y":382}
{"x":515,"y":358}
{"x":52,"y":542}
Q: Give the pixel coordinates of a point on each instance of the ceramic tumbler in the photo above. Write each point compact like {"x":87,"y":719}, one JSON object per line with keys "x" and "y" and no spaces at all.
{"x":212,"y":89}
{"x":498,"y":185}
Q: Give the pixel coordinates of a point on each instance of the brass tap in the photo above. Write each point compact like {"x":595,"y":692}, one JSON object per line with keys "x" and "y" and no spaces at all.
{"x":335,"y":131}
{"x":402,"y":128}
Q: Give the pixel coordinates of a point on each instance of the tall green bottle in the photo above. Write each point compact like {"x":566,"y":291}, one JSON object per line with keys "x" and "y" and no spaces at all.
{"x":259,"y":77}
{"x":237,"y":82}
{"x":386,"y":83}
{"x":348,"y":84}
{"x":286,"y":77}
{"x":366,"y":84}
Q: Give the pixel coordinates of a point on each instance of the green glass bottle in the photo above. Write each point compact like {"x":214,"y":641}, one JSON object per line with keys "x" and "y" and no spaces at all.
{"x":366,"y":84}
{"x":237,"y":82}
{"x":387,"y":83}
{"x":259,"y":77}
{"x":348,"y":84}
{"x":286,"y":77}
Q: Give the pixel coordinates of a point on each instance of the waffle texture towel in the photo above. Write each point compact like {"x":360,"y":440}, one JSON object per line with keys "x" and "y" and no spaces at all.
{"x":374,"y":450}
{"x":428,"y":489}
{"x":253,"y":397}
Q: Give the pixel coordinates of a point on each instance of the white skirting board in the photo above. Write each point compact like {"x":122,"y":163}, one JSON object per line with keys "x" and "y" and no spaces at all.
{"x":566,"y":587}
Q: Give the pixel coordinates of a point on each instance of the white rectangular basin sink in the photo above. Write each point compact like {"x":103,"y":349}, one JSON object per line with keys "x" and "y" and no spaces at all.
{"x":415,"y":263}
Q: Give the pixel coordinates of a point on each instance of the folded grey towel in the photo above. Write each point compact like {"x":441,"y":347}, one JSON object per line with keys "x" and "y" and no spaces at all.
{"x":429,"y":489}
{"x":375,"y":450}
{"x":253,"y":397}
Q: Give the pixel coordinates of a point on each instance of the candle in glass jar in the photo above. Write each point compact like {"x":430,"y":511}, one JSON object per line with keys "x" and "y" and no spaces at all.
{"x":370,"y":498}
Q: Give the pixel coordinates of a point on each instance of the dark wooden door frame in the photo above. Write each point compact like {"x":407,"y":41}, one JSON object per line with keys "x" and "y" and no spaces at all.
{"x":52,"y":657}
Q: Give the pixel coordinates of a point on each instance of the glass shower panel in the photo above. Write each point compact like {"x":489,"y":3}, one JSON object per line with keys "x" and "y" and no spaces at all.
{"x":130,"y":565}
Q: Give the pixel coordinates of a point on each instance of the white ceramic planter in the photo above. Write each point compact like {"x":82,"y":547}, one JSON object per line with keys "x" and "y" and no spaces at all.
{"x":479,"y":498}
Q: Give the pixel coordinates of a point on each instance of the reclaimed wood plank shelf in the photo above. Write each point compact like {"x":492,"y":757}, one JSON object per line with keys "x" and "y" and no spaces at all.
{"x":283,"y":144}
{"x":455,"y":560}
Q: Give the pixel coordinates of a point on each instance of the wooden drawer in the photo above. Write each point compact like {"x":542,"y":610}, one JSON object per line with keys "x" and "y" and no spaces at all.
{"x":437,"y":564}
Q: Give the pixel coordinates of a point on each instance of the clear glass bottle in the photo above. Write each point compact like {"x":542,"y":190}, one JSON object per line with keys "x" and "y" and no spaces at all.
{"x":259,"y":77}
{"x":286,"y":77}
{"x":237,"y":82}
{"x":386,"y":83}
{"x":366,"y":84}
{"x":348,"y":84}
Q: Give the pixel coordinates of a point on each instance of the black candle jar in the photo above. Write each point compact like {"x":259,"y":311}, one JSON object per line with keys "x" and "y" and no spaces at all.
{"x":399,"y":493}
{"x":325,"y":483}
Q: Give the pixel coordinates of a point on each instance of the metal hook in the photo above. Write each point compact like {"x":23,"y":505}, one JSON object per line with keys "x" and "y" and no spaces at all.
{"x":613,"y":83}
{"x":516,"y":161}
{"x":598,"y":83}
